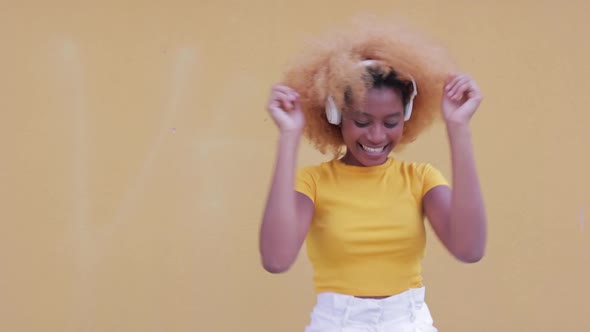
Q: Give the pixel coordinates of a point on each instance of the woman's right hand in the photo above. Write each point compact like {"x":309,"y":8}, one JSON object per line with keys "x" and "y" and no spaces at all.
{"x":285,"y":109}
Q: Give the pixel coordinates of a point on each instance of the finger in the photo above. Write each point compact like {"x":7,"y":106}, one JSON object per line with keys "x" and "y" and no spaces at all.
{"x":459,"y":87}
{"x":284,"y":89}
{"x":280,"y":87}
{"x":475,"y":94}
{"x":289,"y":92}
{"x":457,"y":79}
{"x":475,"y":88}
{"x":279,"y":116}
{"x":293,"y":95}
{"x":274,"y":104}
{"x":283,"y":96}
{"x":285,"y":100}
{"x":450,"y":81}
{"x":277,"y":101}
{"x":459,"y":90}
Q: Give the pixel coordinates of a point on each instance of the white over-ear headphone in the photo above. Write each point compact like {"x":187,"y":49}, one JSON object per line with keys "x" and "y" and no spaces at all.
{"x":335,"y":116}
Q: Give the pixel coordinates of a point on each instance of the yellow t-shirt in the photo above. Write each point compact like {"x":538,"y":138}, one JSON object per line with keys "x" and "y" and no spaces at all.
{"x":367,"y":237}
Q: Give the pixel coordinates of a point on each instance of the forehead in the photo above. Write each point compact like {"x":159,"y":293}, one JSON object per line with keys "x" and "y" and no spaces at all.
{"x":384,"y":96}
{"x":383,"y":102}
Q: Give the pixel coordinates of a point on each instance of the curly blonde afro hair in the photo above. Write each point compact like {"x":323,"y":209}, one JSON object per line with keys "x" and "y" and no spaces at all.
{"x":329,"y":66}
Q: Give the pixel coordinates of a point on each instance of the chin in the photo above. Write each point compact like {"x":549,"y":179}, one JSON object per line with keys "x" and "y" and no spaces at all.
{"x":373,"y":162}
{"x":369,"y":159}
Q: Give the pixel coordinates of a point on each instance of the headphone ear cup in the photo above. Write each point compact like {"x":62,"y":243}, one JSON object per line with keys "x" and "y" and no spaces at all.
{"x":332,"y":112}
{"x":408,"y":110}
{"x":410,"y":104}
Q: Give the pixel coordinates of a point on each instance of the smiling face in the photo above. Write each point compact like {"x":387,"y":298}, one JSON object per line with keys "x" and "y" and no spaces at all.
{"x":371,"y":133}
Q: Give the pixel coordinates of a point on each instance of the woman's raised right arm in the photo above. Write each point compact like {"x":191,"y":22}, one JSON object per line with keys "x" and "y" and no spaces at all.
{"x":288,"y":213}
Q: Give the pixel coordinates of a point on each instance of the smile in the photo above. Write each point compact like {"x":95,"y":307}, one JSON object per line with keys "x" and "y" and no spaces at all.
{"x":373,"y":149}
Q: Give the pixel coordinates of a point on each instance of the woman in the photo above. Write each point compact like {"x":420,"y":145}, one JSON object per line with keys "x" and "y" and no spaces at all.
{"x":361,"y":214}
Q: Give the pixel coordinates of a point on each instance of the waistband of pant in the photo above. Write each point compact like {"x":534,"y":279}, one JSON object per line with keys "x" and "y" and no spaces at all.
{"x":342,"y":301}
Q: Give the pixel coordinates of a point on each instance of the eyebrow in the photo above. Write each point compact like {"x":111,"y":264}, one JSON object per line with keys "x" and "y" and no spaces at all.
{"x":392,"y":115}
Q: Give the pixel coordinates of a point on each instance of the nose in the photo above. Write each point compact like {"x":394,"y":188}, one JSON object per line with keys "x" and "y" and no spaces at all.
{"x":376,"y":134}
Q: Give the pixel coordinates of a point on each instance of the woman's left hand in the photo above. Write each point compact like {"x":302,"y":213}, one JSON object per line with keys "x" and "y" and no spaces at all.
{"x":461,"y":98}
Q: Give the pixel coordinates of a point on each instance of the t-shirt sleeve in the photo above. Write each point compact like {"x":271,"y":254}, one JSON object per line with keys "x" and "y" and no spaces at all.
{"x":305,"y":183}
{"x":432,"y":177}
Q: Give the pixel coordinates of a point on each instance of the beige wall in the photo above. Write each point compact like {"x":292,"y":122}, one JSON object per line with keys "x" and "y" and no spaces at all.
{"x":136,"y":155}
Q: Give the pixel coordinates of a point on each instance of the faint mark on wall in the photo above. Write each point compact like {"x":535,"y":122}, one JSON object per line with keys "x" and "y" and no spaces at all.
{"x":183,"y":61}
{"x":73,"y":79}
{"x":211,"y":147}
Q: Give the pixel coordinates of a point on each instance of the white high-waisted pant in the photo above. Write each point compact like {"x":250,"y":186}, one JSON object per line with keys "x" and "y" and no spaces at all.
{"x":405,"y":312}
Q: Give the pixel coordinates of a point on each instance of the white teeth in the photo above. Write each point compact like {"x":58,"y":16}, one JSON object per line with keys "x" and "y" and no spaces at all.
{"x":374,"y":150}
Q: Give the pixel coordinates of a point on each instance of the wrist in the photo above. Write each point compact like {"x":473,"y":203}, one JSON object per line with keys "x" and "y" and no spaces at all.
{"x":458,"y":129}
{"x":291,"y":135}
{"x":289,"y":138}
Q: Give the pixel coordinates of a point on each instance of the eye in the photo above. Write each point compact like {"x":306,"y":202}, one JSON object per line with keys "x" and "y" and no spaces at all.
{"x":390,"y":125}
{"x":361,"y":124}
